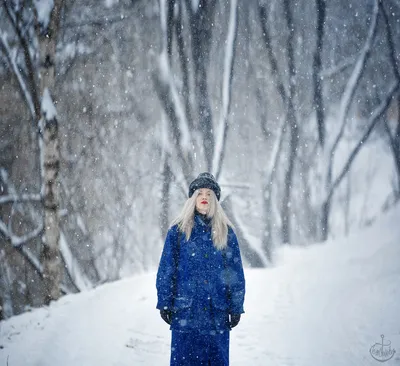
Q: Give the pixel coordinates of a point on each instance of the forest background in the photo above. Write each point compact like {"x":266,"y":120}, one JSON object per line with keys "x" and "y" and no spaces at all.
{"x":108,"y":109}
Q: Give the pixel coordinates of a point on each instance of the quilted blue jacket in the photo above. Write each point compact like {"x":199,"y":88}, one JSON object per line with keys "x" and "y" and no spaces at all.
{"x":200,"y":276}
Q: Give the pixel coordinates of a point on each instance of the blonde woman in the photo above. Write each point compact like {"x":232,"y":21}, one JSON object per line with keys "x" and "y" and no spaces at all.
{"x":200,"y":279}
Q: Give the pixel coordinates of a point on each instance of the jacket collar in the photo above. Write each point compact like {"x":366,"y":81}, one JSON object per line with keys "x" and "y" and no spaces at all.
{"x":201,"y":219}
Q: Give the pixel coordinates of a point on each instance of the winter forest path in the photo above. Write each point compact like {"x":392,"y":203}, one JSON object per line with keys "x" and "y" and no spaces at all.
{"x":322,"y":305}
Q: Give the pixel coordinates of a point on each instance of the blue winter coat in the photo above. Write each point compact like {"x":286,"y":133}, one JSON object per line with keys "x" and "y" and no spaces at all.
{"x":209,"y":282}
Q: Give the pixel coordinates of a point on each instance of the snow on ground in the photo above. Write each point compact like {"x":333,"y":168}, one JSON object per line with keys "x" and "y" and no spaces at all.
{"x":322,"y":305}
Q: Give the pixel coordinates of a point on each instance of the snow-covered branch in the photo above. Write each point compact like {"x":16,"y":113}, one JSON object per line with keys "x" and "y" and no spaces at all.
{"x":80,"y":281}
{"x":391,"y":43}
{"x":236,"y":185}
{"x":170,"y":99}
{"x":253,"y":254}
{"x":275,"y":153}
{"x":226,"y":90}
{"x":166,"y":153}
{"x":32,"y":259}
{"x":28,"y":197}
{"x":43,"y":10}
{"x":36,"y":265}
{"x":372,"y":121}
{"x":195,"y":5}
{"x":77,"y":277}
{"x":336,"y":69}
{"x":18,"y":241}
{"x":184,"y":61}
{"x":47,"y":107}
{"x":166,"y":77}
{"x":352,"y":84}
{"x":278,"y":80}
{"x":11,"y":59}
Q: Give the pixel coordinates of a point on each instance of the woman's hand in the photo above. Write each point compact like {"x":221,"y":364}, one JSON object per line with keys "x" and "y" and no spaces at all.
{"x":234,"y":320}
{"x":166,"y":315}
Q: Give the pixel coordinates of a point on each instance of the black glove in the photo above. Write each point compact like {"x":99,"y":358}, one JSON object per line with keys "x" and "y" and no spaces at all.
{"x":166,"y":315}
{"x":235,"y":319}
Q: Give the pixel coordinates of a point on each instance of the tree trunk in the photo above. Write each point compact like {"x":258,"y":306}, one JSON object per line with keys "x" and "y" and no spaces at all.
{"x":288,"y":183}
{"x":51,"y":238}
{"x":166,"y":182}
{"x":371,"y":123}
{"x":345,"y":102}
{"x":252,"y":257}
{"x":184,"y":66}
{"x":267,"y":229}
{"x":397,"y":143}
{"x":293,"y":129}
{"x":326,"y":207}
{"x":394,"y":141}
{"x":395,"y":138}
{"x":50,"y":154}
{"x":318,"y":101}
{"x":229,"y":62}
{"x":201,"y":26}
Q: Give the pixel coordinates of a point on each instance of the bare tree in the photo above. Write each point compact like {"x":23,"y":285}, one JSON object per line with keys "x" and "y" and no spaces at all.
{"x":271,"y":171}
{"x":394,"y":137}
{"x":36,"y":80}
{"x":292,"y":124}
{"x":192,"y":131}
{"x":288,"y":96}
{"x":317,"y":67}
{"x":345,"y":102}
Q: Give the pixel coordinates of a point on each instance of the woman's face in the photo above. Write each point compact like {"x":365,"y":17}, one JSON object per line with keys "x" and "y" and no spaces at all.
{"x":203,"y":200}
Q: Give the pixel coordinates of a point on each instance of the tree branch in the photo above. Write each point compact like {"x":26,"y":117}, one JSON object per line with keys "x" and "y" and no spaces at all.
{"x":77,"y":277}
{"x":14,"y":17}
{"x":372,"y":121}
{"x":184,"y":66}
{"x":351,"y":87}
{"x":18,"y":241}
{"x":14,"y":67}
{"x":390,"y":41}
{"x":229,"y":61}
{"x":28,"y":197}
{"x":36,"y":265}
{"x":335,"y":69}
{"x":170,"y":101}
{"x":262,"y":12}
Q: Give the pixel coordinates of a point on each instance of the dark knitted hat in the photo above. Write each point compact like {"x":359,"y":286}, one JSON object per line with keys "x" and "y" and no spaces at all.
{"x":205,"y":180}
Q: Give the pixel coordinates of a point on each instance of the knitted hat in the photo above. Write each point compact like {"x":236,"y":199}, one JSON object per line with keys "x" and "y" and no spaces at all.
{"x":205,"y":180}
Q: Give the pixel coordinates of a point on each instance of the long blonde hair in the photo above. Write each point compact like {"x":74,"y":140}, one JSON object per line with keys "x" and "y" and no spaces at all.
{"x":219,"y":220}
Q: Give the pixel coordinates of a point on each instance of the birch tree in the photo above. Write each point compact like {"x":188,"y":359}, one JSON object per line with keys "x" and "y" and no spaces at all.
{"x":36,"y":87}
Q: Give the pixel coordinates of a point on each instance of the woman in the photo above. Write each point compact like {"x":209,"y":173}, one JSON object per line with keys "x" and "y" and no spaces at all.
{"x":200,"y":279}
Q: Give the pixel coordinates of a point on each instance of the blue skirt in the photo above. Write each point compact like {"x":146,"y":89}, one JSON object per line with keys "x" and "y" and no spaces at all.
{"x":198,"y":349}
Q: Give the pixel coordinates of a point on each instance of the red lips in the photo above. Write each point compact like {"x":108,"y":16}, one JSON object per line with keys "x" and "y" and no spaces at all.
{"x":204,"y":202}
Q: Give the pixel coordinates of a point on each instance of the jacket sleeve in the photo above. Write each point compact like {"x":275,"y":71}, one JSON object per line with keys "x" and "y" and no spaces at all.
{"x":166,"y":269}
{"x":236,"y":278}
